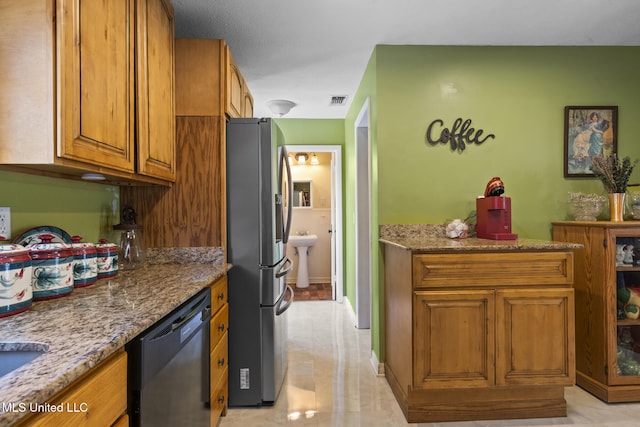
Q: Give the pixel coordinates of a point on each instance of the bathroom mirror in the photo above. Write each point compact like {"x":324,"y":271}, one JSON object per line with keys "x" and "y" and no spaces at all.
{"x":302,"y":194}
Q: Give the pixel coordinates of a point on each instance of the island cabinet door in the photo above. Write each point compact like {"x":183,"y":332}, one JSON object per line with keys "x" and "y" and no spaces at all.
{"x":453,"y":339}
{"x":535,"y":342}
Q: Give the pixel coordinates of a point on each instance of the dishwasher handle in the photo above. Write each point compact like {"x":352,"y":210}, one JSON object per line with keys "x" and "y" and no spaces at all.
{"x":197,"y":308}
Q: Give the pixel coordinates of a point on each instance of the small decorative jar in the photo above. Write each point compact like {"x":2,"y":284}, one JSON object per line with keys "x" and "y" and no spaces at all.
{"x":15,"y":280}
{"x":107,"y":259}
{"x":52,"y":263}
{"x":85,"y":262}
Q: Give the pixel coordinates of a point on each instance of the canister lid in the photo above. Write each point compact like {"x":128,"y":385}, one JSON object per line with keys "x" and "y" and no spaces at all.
{"x":47,"y":249}
{"x":77,"y":243}
{"x":47,"y":245}
{"x":12,"y":250}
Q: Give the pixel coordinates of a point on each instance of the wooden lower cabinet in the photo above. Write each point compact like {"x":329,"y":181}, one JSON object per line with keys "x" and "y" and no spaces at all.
{"x":470,"y":345}
{"x":219,"y":344}
{"x":97,"y":399}
{"x":607,"y":339}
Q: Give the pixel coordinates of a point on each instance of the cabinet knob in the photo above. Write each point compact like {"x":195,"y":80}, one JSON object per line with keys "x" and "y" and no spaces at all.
{"x":221,"y":327}
{"x":221,"y":399}
{"x":221,"y":296}
{"x":221,"y":361}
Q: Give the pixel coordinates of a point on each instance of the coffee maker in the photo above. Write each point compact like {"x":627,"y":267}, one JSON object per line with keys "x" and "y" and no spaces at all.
{"x":493,"y":213}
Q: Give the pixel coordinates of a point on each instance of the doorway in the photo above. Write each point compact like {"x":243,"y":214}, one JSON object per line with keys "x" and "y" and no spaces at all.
{"x":363,"y":218}
{"x":335,"y":228}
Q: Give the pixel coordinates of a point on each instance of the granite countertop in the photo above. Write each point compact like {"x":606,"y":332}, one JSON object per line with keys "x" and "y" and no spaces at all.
{"x":84,"y":328}
{"x":431,"y":238}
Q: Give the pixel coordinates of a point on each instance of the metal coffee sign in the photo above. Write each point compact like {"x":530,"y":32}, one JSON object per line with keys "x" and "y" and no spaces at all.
{"x":458,"y":137}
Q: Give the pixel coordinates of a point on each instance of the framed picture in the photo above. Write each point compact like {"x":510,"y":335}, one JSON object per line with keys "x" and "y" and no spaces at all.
{"x":588,"y":131}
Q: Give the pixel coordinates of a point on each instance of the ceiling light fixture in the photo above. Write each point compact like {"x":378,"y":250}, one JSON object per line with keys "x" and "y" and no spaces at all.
{"x":302,"y":158}
{"x":314,"y":159}
{"x":280,"y":107}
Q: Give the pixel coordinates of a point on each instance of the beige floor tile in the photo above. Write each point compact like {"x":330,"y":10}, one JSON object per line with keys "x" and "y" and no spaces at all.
{"x":330,"y":382}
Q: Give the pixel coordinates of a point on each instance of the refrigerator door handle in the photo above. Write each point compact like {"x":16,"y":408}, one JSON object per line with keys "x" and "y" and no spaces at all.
{"x":284,"y":271}
{"x":282,"y":308}
{"x":284,"y":159}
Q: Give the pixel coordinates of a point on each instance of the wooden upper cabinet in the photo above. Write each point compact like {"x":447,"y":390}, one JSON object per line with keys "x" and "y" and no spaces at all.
{"x":248,"y":103}
{"x":96,"y":82}
{"x":235,"y":86}
{"x":208,"y":81}
{"x":155,"y":88}
{"x":88,"y":86}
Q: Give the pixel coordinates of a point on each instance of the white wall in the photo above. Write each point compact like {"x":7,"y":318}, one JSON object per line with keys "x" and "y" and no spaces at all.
{"x":315,"y":220}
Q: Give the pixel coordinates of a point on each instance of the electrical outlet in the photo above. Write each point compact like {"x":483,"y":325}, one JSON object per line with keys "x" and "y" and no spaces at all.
{"x":5,"y":223}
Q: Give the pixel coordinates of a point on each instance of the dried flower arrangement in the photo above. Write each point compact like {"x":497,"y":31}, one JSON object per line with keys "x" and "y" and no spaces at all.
{"x":613,"y":173}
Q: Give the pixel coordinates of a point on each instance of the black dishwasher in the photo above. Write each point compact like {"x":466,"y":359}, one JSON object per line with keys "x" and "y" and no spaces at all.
{"x":168,"y":383}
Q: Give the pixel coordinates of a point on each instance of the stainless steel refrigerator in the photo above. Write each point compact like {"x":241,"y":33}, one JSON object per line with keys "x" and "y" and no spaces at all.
{"x":258,"y":223}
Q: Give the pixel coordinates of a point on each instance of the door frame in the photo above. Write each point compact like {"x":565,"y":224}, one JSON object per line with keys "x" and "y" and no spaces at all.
{"x":363,"y":221}
{"x":337,"y":255}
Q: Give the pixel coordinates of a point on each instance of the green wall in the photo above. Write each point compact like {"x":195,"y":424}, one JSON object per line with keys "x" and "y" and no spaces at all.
{"x":312,"y":131}
{"x":516,"y":93}
{"x":83,"y":208}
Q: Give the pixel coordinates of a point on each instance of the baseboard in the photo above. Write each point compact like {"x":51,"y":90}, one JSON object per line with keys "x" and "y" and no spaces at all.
{"x":352,"y":314}
{"x":378,"y":368}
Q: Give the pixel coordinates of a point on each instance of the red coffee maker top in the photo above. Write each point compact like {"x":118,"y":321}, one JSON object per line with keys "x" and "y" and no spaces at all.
{"x":493,"y":212}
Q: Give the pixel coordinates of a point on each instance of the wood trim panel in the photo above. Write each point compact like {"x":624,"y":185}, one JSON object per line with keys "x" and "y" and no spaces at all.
{"x":189,"y":213}
{"x":493,"y":269}
{"x":398,"y":314}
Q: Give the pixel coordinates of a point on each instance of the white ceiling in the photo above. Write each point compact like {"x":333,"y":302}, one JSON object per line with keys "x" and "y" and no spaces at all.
{"x":309,"y":50}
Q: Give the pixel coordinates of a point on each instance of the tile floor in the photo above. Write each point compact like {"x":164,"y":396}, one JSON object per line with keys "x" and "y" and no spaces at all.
{"x":314,"y":292}
{"x":330,"y":382}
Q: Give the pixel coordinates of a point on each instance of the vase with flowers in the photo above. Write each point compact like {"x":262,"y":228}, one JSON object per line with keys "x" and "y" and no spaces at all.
{"x":614,"y":175}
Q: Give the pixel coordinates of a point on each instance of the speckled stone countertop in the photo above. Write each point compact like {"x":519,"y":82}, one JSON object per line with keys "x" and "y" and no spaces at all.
{"x":84,"y":328}
{"x":431,"y":238}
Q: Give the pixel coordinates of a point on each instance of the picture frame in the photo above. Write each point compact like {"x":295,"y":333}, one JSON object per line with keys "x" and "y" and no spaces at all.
{"x":588,"y":131}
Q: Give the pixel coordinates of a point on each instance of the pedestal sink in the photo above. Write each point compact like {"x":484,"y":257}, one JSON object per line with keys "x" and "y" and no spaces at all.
{"x":302,"y":244}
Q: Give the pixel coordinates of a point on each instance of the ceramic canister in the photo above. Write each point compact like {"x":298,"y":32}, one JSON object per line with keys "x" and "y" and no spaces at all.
{"x":52,"y":263}
{"x":107,"y":259}
{"x":15,"y":279}
{"x":85,"y":262}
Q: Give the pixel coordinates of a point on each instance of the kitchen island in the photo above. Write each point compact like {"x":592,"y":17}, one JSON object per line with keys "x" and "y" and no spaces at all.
{"x":91,"y":324}
{"x":477,"y":329}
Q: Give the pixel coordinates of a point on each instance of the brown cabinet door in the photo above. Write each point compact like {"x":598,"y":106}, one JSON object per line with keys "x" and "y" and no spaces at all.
{"x":454,"y":338}
{"x":535,"y":337}
{"x":96,"y":82}
{"x":248,"y":102}
{"x":155,"y":89}
{"x":234,"y":88}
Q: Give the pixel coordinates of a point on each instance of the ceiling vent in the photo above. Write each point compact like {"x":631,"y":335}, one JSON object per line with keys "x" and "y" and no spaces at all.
{"x":338,"y":100}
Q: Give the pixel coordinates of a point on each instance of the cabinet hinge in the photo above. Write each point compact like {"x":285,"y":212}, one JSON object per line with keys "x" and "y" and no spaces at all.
{"x":606,"y":369}
{"x":604,"y":242}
